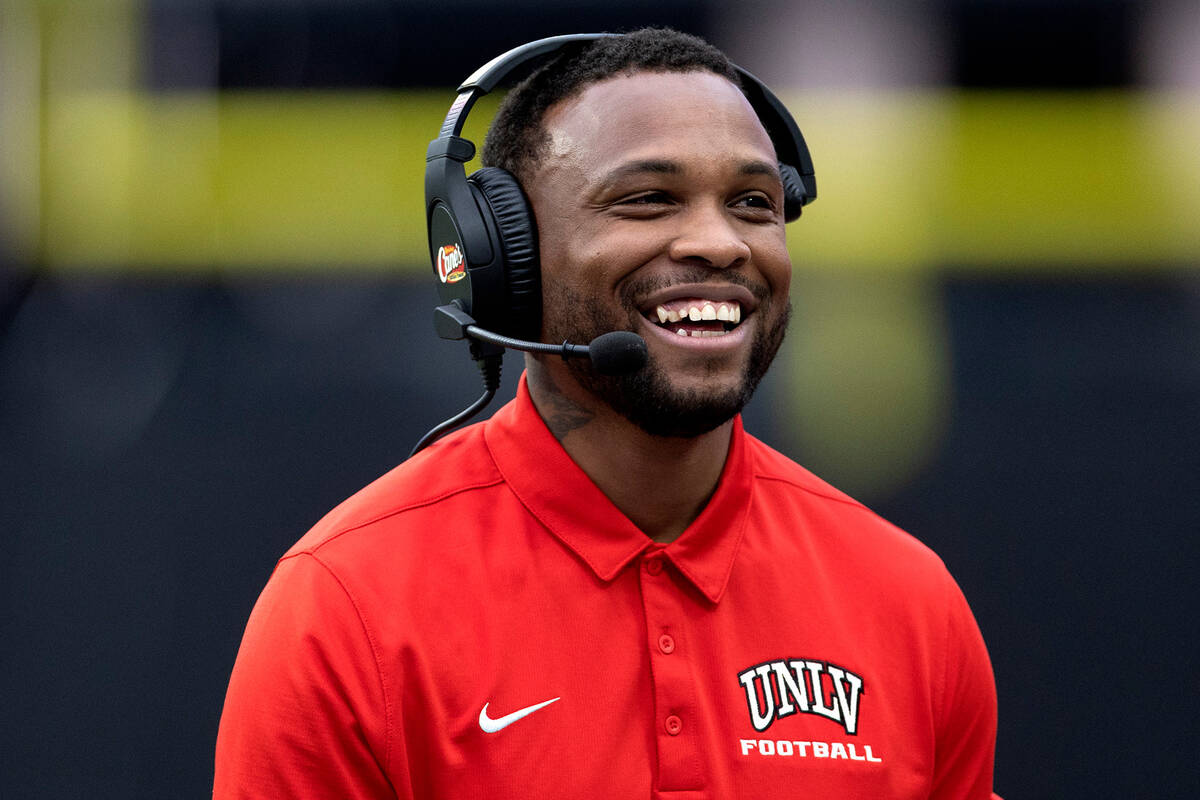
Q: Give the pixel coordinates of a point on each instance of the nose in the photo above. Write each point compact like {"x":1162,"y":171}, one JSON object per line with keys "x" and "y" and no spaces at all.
{"x":707,"y":236}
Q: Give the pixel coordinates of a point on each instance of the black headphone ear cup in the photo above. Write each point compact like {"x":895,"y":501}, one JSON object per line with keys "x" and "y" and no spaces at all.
{"x":794,"y":192}
{"x":519,"y":313}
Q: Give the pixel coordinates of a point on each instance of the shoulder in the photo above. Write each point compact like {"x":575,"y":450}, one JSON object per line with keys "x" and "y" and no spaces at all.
{"x":450,"y":472}
{"x":771,"y":465}
{"x":835,"y":523}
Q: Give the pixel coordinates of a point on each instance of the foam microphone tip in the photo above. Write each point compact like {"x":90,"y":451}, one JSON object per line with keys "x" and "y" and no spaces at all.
{"x":618,"y":353}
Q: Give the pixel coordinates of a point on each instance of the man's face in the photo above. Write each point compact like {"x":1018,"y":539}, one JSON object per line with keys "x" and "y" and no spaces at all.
{"x":660,"y":211}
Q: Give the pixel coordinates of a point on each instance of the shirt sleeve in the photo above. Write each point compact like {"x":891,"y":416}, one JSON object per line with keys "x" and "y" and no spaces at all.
{"x":966,"y":738}
{"x":306,"y":713}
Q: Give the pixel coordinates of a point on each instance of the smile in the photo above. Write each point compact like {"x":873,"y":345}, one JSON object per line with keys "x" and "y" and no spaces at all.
{"x":705,"y":316}
{"x":697,"y":311}
{"x":697,"y":317}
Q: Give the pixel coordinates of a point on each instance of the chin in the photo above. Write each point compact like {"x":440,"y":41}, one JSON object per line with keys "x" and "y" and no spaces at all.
{"x":658,"y":405}
{"x":680,"y":395}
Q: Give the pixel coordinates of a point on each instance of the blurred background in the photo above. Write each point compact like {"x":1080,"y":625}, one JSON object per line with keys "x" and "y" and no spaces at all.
{"x":215,"y":324}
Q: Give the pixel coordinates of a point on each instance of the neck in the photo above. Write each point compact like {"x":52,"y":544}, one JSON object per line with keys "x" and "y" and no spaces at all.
{"x":660,"y":483}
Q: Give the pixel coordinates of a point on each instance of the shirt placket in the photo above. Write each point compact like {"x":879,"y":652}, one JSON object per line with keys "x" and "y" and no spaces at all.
{"x":676,"y":713}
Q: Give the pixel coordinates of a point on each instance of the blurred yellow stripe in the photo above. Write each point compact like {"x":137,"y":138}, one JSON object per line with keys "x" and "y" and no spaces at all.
{"x":237,"y":180}
{"x":908,"y":180}
{"x":1002,"y":180}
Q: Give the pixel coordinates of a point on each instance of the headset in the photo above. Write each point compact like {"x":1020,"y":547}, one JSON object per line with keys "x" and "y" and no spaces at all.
{"x":483,"y":240}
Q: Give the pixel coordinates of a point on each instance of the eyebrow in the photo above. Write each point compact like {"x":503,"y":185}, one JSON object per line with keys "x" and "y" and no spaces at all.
{"x":760,"y":168}
{"x":658,"y":166}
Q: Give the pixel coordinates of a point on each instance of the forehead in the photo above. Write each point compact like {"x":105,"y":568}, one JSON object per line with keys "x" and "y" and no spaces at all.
{"x":677,"y":115}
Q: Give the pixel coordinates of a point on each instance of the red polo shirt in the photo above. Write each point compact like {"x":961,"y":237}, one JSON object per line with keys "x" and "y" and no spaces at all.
{"x":483,"y":622}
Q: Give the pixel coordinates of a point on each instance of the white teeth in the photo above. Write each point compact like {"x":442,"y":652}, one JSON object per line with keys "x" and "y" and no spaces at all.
{"x":665,"y":315}
{"x":724,"y":311}
{"x":700,"y":334}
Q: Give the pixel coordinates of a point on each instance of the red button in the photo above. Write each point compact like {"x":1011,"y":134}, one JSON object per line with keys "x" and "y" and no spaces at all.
{"x":666,"y":643}
{"x":654,"y":566}
{"x":673,"y":724}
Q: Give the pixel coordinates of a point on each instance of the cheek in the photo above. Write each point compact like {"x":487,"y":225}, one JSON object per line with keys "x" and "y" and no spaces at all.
{"x":783,"y":283}
{"x":595,"y":262}
{"x":776,"y":267}
{"x":551,"y":244}
{"x":613,"y":250}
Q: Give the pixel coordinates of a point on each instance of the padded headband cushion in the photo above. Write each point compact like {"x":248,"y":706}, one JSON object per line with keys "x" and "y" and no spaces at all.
{"x":518,"y":243}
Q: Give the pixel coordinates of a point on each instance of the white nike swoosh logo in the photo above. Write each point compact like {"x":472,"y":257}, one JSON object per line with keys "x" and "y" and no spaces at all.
{"x":490,"y":725}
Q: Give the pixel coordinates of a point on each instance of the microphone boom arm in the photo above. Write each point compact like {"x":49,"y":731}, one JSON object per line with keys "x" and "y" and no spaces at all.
{"x":451,"y":322}
{"x":612,"y":353}
{"x":566,"y":349}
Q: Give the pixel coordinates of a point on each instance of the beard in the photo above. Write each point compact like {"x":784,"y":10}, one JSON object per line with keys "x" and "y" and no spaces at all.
{"x":648,"y":398}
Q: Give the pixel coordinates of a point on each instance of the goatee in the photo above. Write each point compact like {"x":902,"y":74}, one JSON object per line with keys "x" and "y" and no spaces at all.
{"x":648,"y":398}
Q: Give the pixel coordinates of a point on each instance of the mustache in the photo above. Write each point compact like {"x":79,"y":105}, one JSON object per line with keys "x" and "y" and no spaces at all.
{"x":693,"y":273}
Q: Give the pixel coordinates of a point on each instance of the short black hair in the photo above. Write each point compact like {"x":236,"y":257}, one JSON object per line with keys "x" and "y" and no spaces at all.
{"x":516,"y":139}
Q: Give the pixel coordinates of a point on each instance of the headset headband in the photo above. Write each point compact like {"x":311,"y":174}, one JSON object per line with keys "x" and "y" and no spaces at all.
{"x":482,"y":234}
{"x":790,"y":147}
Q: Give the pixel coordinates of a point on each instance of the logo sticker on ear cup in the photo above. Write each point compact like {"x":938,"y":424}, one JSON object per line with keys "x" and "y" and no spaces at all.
{"x":451,"y":266}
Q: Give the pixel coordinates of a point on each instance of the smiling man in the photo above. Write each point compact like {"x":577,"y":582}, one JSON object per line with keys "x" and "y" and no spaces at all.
{"x":665,"y":219}
{"x":610,"y":589}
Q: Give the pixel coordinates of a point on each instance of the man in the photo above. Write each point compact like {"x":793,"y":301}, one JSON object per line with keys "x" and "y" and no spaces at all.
{"x":609,"y":589}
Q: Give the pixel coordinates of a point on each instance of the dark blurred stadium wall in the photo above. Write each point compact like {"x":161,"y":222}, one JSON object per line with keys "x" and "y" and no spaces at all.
{"x":214,"y":325}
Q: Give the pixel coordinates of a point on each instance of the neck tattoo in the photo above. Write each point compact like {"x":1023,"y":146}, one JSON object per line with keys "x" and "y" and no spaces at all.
{"x":562,"y":415}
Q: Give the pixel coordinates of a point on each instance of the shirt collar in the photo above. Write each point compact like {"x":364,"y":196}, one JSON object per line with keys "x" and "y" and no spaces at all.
{"x":558,"y":493}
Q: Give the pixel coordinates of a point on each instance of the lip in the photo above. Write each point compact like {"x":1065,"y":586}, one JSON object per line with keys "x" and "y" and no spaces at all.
{"x":706,"y":291}
{"x":712,"y":345}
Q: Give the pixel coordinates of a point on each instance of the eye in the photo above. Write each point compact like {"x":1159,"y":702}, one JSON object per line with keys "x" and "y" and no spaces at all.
{"x":756,"y":207}
{"x":755,"y":200}
{"x":646,"y":199}
{"x":644,"y":205}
